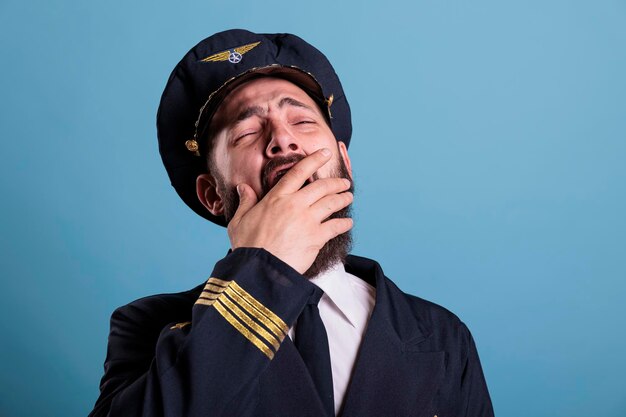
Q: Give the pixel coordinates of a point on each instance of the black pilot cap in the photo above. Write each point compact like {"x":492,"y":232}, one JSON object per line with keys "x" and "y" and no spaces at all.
{"x":211,"y":70}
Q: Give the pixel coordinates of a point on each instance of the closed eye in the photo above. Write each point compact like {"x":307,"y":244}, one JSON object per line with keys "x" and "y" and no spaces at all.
{"x":244,"y":135}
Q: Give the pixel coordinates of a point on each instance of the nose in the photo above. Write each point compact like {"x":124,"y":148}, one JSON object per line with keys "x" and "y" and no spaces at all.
{"x":281,"y":140}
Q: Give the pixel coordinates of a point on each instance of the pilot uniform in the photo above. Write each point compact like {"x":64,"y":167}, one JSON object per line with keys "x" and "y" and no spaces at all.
{"x":223,"y":348}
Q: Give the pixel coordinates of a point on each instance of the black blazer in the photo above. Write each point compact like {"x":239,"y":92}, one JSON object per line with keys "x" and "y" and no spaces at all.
{"x":220,"y":350}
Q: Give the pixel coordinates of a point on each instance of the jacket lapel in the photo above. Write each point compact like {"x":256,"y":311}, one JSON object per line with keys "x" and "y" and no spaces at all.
{"x":391,"y":377}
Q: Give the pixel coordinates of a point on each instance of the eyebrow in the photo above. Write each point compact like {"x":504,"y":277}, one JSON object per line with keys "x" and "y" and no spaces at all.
{"x":293,"y":102}
{"x":249,"y":112}
{"x":259,"y":111}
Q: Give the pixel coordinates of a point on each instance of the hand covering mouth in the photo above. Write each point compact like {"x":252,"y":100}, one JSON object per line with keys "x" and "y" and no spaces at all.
{"x":276,"y":168}
{"x":279,"y":172}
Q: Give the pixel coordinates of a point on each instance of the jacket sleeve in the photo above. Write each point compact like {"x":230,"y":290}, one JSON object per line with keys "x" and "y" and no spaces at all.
{"x":201,"y":368}
{"x":476,"y":401}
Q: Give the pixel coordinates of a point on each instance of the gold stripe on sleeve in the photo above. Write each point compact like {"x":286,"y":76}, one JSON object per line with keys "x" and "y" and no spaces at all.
{"x":256,"y":314}
{"x":251,"y":323}
{"x":214,"y":288}
{"x":208,"y":296}
{"x":211,"y":291}
{"x":205,"y":302}
{"x":268,"y":313}
{"x":243,"y":330}
{"x":245,"y":313}
{"x":219,"y":282}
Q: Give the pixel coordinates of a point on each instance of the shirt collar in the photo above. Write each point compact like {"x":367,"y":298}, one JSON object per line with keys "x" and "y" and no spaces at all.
{"x":338,"y":287}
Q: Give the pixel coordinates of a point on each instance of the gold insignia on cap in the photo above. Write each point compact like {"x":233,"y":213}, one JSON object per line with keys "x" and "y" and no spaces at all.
{"x":192,"y":146}
{"x":233,"y":55}
{"x":329,"y":102}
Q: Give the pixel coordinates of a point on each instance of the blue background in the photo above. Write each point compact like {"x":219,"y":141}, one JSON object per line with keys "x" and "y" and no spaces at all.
{"x":489,"y":149}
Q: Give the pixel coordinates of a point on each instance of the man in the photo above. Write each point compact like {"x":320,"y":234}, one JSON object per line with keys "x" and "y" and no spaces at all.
{"x":288,"y":324}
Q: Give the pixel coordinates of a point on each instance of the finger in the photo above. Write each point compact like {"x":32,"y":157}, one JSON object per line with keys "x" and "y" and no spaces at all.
{"x":247,"y":200}
{"x":302,"y":171}
{"x":334,"y":227}
{"x":323,"y":187}
{"x":331,"y":204}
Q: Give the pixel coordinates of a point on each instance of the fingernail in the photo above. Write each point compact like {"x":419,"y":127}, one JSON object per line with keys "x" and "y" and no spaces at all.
{"x":239,"y":190}
{"x":326,"y":152}
{"x":346,"y":181}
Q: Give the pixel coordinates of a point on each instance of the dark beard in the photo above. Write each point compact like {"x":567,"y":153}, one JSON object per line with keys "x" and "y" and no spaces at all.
{"x":335,"y":250}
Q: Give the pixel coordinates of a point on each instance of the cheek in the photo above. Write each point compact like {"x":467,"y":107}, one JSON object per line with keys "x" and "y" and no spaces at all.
{"x":246,"y":169}
{"x":331,"y":169}
{"x":315,"y":143}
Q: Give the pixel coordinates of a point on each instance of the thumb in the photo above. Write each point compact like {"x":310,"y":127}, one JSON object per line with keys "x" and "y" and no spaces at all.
{"x":247,"y":200}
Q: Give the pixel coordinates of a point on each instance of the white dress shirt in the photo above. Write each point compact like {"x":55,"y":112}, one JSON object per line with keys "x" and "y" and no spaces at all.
{"x":345,"y":309}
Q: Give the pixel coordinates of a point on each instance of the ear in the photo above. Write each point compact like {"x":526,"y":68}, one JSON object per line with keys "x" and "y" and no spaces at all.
{"x":343,"y":152}
{"x":208,"y":194}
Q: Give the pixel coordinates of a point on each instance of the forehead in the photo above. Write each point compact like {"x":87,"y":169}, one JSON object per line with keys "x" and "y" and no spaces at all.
{"x":261,"y":92}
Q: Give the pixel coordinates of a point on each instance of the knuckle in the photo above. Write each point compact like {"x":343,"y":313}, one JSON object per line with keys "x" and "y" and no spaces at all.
{"x":324,"y":185}
{"x":338,"y":182}
{"x":272,"y":200}
{"x":346,"y":224}
{"x":289,"y":205}
{"x":338,"y":226}
{"x":344,"y":185}
{"x":339,"y":201}
{"x":333,"y":181}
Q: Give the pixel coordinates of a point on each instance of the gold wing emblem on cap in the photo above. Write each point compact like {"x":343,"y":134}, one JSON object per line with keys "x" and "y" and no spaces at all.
{"x":233,"y":55}
{"x":243,"y":49}
{"x":220,"y":56}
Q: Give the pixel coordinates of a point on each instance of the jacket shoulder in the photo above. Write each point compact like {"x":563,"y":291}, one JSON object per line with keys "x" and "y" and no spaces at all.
{"x":135,"y":327}
{"x":437,"y":313}
{"x":155,"y":311}
{"x":438,"y":324}
{"x":444,"y":329}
